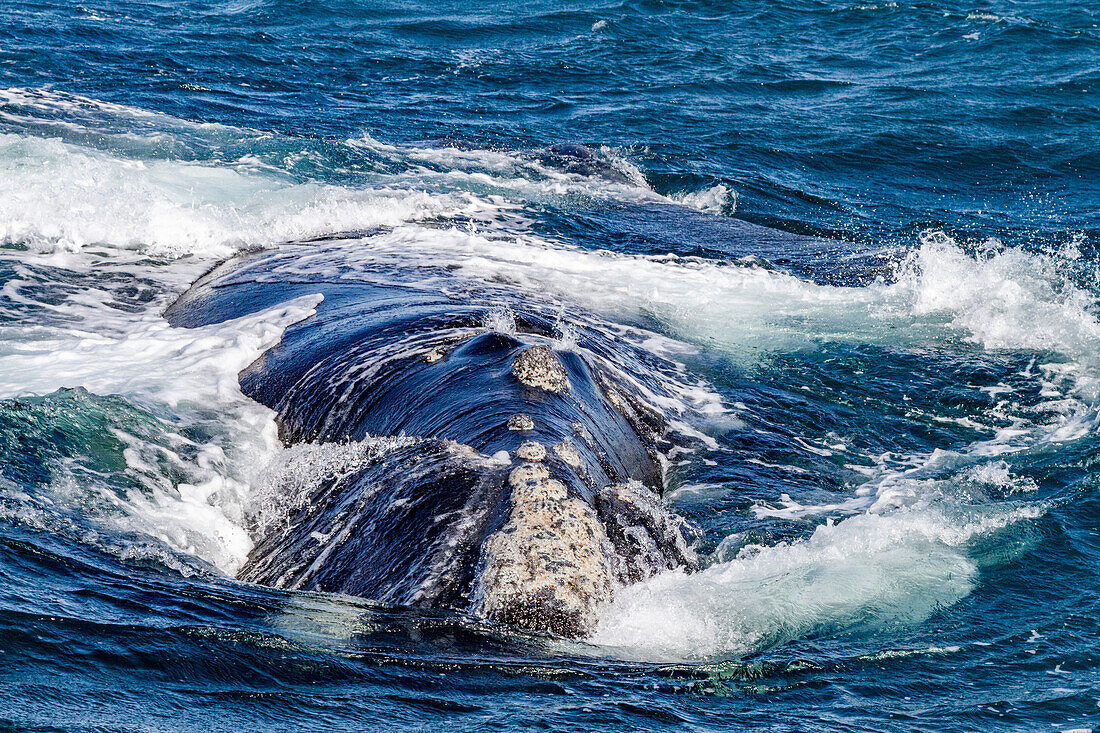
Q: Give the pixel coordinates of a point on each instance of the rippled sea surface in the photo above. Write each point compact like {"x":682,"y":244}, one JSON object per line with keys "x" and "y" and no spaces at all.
{"x":854,"y":245}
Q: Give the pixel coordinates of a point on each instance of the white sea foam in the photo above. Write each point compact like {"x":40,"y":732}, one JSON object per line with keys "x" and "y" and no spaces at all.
{"x":869,"y":570}
{"x":103,"y":174}
{"x":63,"y":101}
{"x":904,"y":549}
{"x":717,"y":199}
{"x":1007,"y":298}
{"x":902,"y":553}
{"x":58,"y":196}
{"x":185,"y":377}
{"x":517,"y":175}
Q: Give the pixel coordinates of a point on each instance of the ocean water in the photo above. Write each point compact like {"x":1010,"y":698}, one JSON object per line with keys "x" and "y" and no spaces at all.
{"x":850,"y":249}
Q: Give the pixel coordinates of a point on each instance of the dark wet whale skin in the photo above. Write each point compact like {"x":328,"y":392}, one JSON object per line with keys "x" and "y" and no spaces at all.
{"x":408,"y":525}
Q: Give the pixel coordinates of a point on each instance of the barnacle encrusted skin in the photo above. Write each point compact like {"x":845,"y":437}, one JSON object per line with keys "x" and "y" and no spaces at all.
{"x":531,"y":451}
{"x":568,"y":453}
{"x":540,"y":368}
{"x":549,"y":567}
{"x":521,"y":423}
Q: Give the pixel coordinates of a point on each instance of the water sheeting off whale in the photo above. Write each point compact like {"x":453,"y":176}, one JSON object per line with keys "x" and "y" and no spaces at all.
{"x":478,"y":468}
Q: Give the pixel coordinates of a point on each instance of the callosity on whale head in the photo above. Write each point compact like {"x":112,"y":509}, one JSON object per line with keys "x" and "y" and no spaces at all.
{"x":490,"y":472}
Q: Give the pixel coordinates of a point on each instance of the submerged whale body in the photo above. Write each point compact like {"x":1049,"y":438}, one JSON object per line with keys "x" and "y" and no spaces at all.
{"x":487,"y":470}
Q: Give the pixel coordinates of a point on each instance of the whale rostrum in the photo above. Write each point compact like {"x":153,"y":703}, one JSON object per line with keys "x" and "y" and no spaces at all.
{"x":496,"y":474}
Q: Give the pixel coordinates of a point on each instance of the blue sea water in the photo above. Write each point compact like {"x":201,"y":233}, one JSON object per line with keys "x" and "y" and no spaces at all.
{"x":854,"y":246}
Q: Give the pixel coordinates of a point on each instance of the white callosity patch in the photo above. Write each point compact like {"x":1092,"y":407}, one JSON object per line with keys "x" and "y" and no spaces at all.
{"x":538,"y":367}
{"x":521,"y":423}
{"x":531,"y":451}
{"x":568,"y":453}
{"x":548,"y":568}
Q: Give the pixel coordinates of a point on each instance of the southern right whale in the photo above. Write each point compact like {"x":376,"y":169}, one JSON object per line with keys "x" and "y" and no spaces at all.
{"x":489,"y":470}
